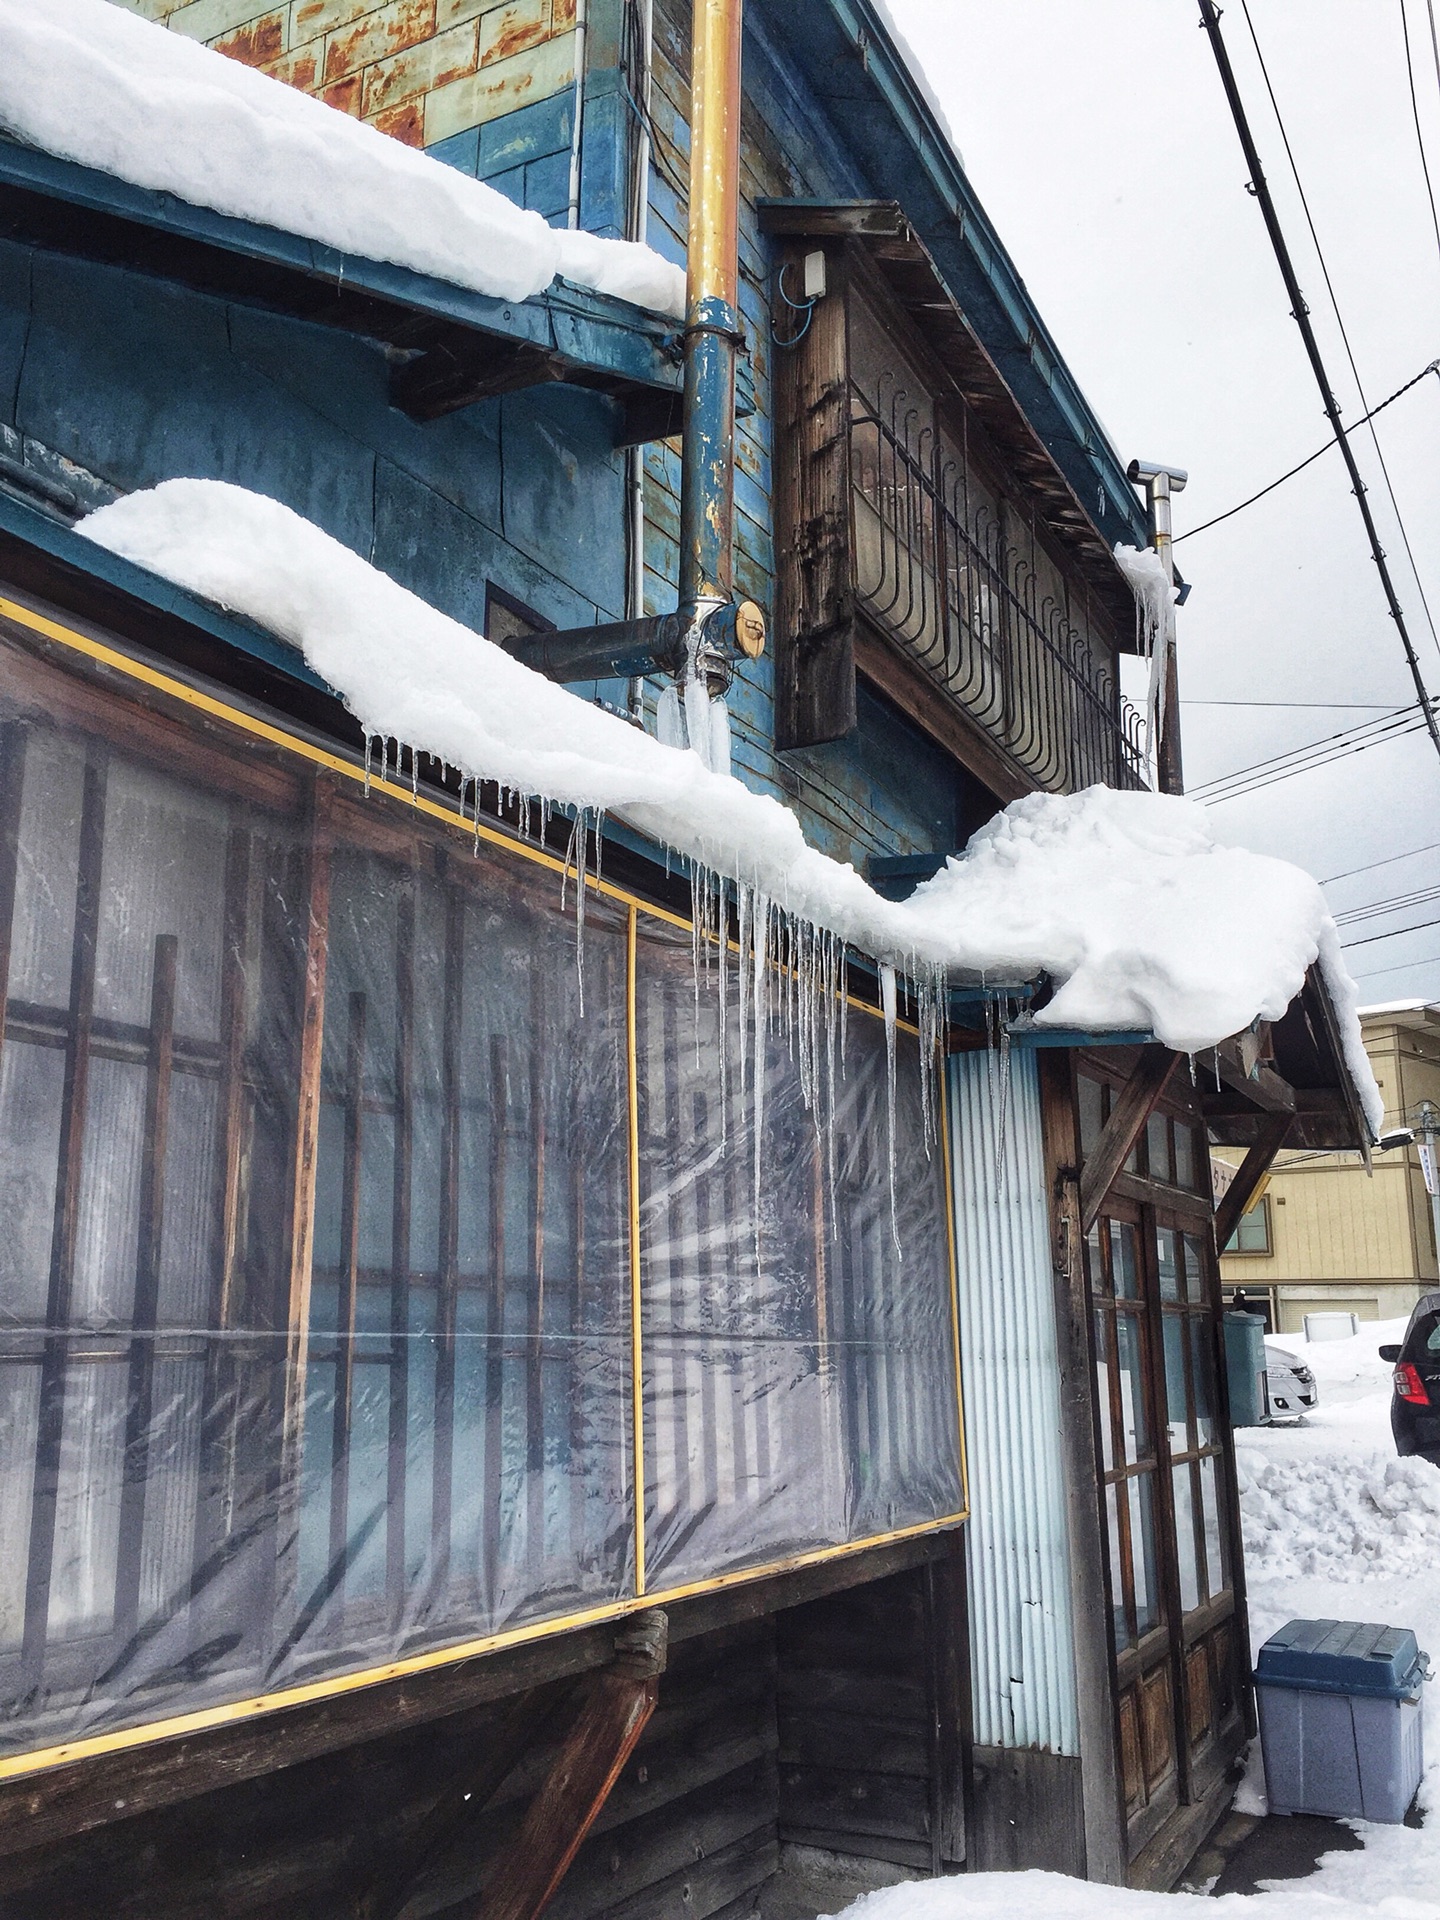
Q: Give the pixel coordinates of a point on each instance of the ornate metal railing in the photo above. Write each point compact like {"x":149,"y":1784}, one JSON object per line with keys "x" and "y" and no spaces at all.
{"x":938,"y":570}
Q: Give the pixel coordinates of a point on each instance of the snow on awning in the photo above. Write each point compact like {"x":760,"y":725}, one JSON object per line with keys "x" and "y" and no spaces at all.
{"x":92,"y":83}
{"x":1126,"y":899}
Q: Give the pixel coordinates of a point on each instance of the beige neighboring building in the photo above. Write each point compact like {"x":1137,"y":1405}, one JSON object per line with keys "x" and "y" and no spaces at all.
{"x":1323,"y":1235}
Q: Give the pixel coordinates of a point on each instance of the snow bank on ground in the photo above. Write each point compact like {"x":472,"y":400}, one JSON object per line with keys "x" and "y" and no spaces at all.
{"x":1125,"y":898}
{"x":93,"y":83}
{"x":1335,"y":1528}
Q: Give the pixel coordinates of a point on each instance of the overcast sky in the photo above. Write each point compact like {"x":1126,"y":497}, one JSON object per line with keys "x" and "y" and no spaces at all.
{"x":1097,"y":136}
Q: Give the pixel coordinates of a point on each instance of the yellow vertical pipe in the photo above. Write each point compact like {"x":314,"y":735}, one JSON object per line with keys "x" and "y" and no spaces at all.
{"x":712,"y":270}
{"x":712,"y":321}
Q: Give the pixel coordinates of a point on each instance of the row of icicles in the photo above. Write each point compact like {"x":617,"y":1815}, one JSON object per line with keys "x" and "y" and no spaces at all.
{"x":773,"y":972}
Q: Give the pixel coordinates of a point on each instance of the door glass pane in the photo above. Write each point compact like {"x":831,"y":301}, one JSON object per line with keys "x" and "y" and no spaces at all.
{"x":1167,"y":1263}
{"x":1202,"y":1373}
{"x":1117,"y":1569}
{"x":1210,"y":1508}
{"x":1095,"y":1259}
{"x":1141,"y":1491}
{"x":1102,"y":1390}
{"x":1194,"y":1267}
{"x":1091,"y":1114}
{"x":1176,"y":1412}
{"x":1157,"y":1141}
{"x":1184,"y":1155}
{"x":1122,"y":1259}
{"x":1185,"y":1539}
{"x":1134,"y":1431}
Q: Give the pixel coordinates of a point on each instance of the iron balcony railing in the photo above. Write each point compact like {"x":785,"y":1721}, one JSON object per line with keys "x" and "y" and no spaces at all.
{"x":936,"y":568}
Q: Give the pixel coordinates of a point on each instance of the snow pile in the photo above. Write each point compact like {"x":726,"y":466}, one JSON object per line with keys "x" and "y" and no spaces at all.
{"x":1301,"y":1519}
{"x":1053,"y":1896}
{"x":1125,"y":898}
{"x":1335,"y":1476}
{"x":93,"y":83}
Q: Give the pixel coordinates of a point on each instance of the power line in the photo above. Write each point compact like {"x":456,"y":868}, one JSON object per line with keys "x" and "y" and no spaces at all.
{"x":1340,"y":323}
{"x":1415,"y":115}
{"x":1308,"y":461}
{"x":1397,"y":903}
{"x":1394,"y":934}
{"x":1389,"y":861}
{"x":1316,"y":753}
{"x":1307,"y":706}
{"x":1301,"y":315}
{"x":1401,"y":966}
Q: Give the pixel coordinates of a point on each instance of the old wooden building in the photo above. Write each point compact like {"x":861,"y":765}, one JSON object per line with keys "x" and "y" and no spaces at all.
{"x":470,"y":1438}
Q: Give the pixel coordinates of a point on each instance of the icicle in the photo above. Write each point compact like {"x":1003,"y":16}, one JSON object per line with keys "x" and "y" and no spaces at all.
{"x":369,"y":749}
{"x":670,"y":718}
{"x":757,"y":1009}
{"x":580,"y":917}
{"x":1002,"y":1112}
{"x":721,"y":955}
{"x":719,"y":736}
{"x":887,"y":1007}
{"x":414,"y":774}
{"x":744,"y":910}
{"x":699,"y":727}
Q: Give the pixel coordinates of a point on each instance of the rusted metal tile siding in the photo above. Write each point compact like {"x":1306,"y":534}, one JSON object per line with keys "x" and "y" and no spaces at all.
{"x":420,"y":70}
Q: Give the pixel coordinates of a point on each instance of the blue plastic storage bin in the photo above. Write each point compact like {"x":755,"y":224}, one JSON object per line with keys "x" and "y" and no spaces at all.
{"x":1340,"y":1718}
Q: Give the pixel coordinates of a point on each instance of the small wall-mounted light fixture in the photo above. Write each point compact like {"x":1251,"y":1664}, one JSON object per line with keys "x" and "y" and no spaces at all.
{"x":814,"y":274}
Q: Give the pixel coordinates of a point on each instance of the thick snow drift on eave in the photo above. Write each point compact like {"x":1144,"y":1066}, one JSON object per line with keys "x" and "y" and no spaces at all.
{"x":1124,"y":898}
{"x":90,"y":82}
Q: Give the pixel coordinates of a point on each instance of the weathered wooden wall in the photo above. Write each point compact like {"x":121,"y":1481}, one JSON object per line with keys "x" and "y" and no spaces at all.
{"x":818,"y":1724}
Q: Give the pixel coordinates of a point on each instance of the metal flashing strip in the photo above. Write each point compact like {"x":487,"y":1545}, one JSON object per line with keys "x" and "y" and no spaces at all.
{"x":1025,"y":1033}
{"x":587,"y":334}
{"x":40,"y":530}
{"x":120,"y":1739}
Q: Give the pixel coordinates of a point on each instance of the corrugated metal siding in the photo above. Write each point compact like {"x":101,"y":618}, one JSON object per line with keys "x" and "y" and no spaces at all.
{"x":1022,"y":1655}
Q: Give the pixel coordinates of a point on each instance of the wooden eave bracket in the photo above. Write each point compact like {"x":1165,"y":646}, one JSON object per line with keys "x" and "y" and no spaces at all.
{"x":1269,"y":1139}
{"x":616,"y":1707}
{"x":1137,"y":1101}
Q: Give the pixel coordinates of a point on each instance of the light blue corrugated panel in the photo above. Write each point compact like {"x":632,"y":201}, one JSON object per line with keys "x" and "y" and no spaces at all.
{"x":1021,"y":1645}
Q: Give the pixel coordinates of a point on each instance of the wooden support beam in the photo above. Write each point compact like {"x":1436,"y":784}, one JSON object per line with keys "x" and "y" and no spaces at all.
{"x":1127,"y":1120}
{"x":1258,"y":1085}
{"x":620,"y":1700}
{"x":1268,"y":1141}
{"x":526,"y":1721}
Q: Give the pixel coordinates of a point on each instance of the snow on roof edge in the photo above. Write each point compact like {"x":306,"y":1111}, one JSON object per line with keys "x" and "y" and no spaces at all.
{"x":90,"y":82}
{"x":1125,"y":899}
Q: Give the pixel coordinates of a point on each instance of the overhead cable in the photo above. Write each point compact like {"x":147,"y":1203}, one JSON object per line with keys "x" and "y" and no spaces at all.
{"x":1415,"y":115}
{"x":1315,"y":753}
{"x":1389,"y":861}
{"x":1301,"y":313}
{"x":1340,"y":322}
{"x":1394,"y":934}
{"x":1308,"y":461}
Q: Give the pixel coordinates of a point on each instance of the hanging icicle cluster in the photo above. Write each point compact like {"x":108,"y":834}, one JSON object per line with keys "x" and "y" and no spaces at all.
{"x":774,"y":973}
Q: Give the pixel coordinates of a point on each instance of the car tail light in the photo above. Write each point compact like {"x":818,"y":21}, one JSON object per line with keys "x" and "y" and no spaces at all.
{"x":1409,"y":1385}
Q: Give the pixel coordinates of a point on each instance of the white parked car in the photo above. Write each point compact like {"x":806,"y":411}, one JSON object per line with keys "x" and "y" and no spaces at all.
{"x":1290,"y":1385}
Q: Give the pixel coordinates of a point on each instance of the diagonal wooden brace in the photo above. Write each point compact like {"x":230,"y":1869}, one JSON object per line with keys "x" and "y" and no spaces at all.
{"x":1137,"y":1101}
{"x":1269,"y":1138}
{"x":620,"y":1699}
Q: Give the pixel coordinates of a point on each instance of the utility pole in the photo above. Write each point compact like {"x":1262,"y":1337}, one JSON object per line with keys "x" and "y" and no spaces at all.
{"x":1159,"y":483}
{"x":1427,"y":1126}
{"x":1259,"y":186}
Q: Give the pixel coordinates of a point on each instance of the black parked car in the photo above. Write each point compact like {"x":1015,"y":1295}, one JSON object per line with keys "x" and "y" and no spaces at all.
{"x":1415,"y":1407}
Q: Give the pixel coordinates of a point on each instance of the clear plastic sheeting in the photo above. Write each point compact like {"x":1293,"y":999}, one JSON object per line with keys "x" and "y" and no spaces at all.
{"x":320,"y":1181}
{"x":799,"y":1365}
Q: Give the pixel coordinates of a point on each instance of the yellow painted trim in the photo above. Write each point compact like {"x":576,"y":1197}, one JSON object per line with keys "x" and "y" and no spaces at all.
{"x":350,"y":769}
{"x":18,"y":1765}
{"x":944,"y":1079}
{"x":637,"y":1402}
{"x":43,"y":1759}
